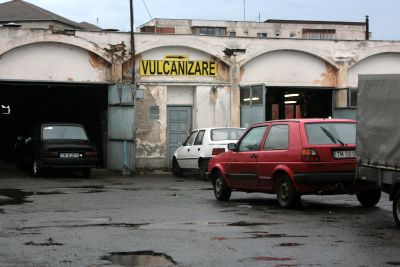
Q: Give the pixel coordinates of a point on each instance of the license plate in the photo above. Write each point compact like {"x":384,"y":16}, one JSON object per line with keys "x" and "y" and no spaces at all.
{"x":70,"y":155}
{"x":344,"y":154}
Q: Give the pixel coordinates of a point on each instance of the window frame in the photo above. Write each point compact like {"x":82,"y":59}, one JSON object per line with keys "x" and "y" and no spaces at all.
{"x":269,"y":134}
{"x":200,"y":133}
{"x":266,"y":127}
{"x":187,"y":139}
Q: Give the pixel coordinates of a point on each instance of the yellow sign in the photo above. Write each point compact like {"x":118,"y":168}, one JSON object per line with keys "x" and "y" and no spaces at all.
{"x":178,"y":65}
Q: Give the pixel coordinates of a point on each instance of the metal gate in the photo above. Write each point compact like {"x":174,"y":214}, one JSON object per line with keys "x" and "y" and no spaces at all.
{"x":252,"y":104}
{"x":121,"y":127}
{"x":179,"y":127}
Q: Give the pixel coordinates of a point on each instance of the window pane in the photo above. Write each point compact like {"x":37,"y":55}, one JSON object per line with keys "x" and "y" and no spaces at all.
{"x":257,"y":95}
{"x":199,"y":138}
{"x":226,"y":134}
{"x":189,"y":140}
{"x":244,"y":96}
{"x":331,"y":133}
{"x":64,"y":132}
{"x":278,"y":138}
{"x":251,"y":141}
{"x":353,"y":97}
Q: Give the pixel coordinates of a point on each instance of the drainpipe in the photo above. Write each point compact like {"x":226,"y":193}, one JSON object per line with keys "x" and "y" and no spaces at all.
{"x":367,"y":27}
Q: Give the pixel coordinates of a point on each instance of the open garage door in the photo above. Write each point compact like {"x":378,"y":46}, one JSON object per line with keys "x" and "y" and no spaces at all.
{"x":32,"y":103}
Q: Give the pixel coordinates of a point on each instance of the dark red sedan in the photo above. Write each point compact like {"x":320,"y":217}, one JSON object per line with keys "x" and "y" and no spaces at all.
{"x":292,"y":158}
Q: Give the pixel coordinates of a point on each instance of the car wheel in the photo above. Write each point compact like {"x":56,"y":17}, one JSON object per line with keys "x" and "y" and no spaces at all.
{"x":203,"y":165}
{"x":86,"y":172}
{"x":35,"y":169}
{"x":222,"y":191}
{"x":396,"y":208}
{"x":286,"y":193}
{"x":369,"y":198}
{"x":176,"y":170}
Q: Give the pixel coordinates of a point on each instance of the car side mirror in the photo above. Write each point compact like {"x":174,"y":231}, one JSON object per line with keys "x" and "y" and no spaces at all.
{"x":232,"y":146}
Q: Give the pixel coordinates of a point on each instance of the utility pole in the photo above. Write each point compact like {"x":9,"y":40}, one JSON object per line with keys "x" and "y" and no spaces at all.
{"x":132,"y":43}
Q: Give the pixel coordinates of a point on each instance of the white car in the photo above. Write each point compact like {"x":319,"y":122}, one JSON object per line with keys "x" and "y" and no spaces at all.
{"x":200,"y":146}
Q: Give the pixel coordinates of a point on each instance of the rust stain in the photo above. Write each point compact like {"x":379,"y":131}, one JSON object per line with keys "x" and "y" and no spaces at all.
{"x":222,"y":70}
{"x":97,"y":62}
{"x":126,"y":66}
{"x":329,"y":77}
{"x":70,"y":79}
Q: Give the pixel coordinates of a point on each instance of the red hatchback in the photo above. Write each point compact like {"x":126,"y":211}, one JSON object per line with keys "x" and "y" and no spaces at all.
{"x":292,"y":158}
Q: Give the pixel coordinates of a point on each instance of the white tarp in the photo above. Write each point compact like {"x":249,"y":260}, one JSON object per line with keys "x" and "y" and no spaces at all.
{"x":378,"y":120}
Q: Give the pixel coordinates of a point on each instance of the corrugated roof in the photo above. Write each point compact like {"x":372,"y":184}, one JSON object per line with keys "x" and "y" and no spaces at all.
{"x":89,"y":26}
{"x":21,"y":11}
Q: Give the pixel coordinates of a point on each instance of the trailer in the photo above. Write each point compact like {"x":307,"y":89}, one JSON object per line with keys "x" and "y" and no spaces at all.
{"x":378,"y":134}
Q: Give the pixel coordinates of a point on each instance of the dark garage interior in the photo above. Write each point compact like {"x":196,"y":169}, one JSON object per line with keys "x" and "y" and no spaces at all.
{"x":33,"y":103}
{"x":291,"y":103}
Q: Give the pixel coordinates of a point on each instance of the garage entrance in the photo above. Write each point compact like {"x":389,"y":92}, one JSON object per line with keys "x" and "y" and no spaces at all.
{"x":32,"y":103}
{"x":261,"y":103}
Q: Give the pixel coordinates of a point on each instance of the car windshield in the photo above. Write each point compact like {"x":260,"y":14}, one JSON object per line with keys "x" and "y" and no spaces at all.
{"x":226,"y":134}
{"x":63,"y":132}
{"x":331,"y":133}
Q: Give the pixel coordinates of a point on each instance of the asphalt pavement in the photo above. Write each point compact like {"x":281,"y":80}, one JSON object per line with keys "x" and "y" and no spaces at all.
{"x":155,"y":219}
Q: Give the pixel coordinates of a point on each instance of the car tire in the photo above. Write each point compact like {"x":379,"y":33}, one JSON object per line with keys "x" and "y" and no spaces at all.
{"x":176,"y":170}
{"x":369,"y":198}
{"x":222,"y":191}
{"x":86,"y":172}
{"x":396,"y":208}
{"x":203,"y":166}
{"x":35,"y":168}
{"x":286,"y":194}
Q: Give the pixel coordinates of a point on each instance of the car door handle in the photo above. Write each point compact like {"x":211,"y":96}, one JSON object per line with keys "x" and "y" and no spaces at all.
{"x":198,"y":149}
{"x":254,"y":156}
{"x":188,"y":149}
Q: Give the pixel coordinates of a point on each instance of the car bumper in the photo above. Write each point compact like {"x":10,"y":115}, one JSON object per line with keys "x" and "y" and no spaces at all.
{"x":68,"y":163}
{"x":324,"y":178}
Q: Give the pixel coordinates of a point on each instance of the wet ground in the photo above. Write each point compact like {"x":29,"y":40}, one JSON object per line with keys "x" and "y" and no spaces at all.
{"x":156,"y":220}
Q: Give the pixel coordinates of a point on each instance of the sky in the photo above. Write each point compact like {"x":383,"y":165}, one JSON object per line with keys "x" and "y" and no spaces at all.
{"x":114,"y":14}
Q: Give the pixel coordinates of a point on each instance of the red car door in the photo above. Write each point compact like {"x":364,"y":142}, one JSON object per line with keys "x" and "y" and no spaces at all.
{"x":241,"y":169}
{"x":274,"y":154}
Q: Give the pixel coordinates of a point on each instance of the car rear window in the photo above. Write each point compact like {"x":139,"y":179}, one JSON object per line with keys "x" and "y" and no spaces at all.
{"x":331,"y":133}
{"x":63,"y":132}
{"x":226,"y":134}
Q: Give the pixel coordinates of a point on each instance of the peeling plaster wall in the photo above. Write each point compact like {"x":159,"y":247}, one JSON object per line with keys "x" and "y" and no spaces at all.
{"x":150,"y":132}
{"x":53,"y":62}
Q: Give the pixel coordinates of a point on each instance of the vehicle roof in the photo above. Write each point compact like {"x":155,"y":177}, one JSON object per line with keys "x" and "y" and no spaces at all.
{"x":311,"y":120}
{"x":216,"y":128}
{"x":60,"y":123}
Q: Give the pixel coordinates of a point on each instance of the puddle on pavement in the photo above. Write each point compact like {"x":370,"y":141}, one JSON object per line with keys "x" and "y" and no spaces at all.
{"x":242,"y":223}
{"x":140,"y":259}
{"x":94,"y":191}
{"x":87,"y":187}
{"x":266,"y":258}
{"x":393,"y":263}
{"x":18,"y":196}
{"x":48,"y":242}
{"x":289,"y":245}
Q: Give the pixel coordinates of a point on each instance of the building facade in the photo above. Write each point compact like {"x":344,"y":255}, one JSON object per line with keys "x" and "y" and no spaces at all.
{"x":272,"y":28}
{"x":189,"y":81}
